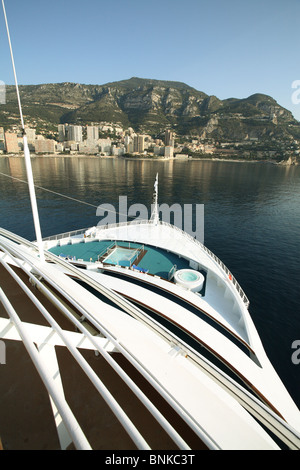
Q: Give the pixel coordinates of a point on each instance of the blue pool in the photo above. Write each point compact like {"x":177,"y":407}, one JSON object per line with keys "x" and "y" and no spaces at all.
{"x":122,"y":256}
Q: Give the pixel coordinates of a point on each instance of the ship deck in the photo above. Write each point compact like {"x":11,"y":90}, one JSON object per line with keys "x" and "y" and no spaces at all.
{"x":29,"y":424}
{"x":104,"y":336}
{"x":153,"y":260}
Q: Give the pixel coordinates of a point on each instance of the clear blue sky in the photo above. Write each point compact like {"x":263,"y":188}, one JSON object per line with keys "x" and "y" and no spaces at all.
{"x":230,"y":48}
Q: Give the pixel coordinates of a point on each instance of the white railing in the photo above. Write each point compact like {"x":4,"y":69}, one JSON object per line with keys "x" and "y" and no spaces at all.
{"x":65,"y":235}
{"x":106,"y":250}
{"x":217,"y":260}
{"x":77,"y":435}
{"x":224,"y":268}
{"x":54,"y":391}
{"x":133,"y":311}
{"x":172,"y":272}
{"x":262,"y":412}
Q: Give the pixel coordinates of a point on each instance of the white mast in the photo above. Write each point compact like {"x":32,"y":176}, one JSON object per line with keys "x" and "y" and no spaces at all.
{"x":155,"y":213}
{"x":27,"y":156}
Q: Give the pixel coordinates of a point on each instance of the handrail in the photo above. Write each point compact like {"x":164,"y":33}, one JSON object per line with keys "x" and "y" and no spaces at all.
{"x":220,"y":264}
{"x":224,"y":268}
{"x":69,"y":419}
{"x":135,"y":362}
{"x":216,"y":259}
{"x":263,"y":413}
{"x":250,"y":402}
{"x":95,"y":380}
{"x":105,"y":250}
{"x":172,"y":271}
{"x":140,"y":395}
{"x":65,"y":234}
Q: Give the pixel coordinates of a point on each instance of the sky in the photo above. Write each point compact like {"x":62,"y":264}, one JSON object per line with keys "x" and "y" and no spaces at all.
{"x":232,"y":48}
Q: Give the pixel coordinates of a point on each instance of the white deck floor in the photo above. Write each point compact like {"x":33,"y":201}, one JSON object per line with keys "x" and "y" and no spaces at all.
{"x":226,"y":423}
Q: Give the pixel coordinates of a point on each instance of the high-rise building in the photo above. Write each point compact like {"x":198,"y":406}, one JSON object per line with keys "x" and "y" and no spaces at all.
{"x":138,"y":143}
{"x":62,"y":134}
{"x":169,"y":138}
{"x":169,"y":151}
{"x":92,"y":133}
{"x":75,"y":133}
{"x":11,"y":142}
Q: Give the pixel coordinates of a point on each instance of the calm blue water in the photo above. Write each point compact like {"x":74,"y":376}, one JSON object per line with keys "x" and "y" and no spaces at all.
{"x":252,"y":223}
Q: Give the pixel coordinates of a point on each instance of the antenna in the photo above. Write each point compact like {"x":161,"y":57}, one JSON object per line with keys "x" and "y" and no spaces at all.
{"x":155,"y":214}
{"x":26,"y":155}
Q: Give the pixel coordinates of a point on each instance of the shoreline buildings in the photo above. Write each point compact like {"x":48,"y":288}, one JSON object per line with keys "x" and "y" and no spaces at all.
{"x":104,"y":139}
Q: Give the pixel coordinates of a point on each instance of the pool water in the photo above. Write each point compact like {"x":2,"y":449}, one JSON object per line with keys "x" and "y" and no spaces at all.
{"x":122,"y":256}
{"x":188,"y":276}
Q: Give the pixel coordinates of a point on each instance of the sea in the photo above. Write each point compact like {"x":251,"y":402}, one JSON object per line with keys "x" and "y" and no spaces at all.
{"x":251,"y":222}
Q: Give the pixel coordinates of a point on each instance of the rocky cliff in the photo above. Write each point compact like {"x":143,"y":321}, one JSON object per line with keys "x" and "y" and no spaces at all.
{"x":152,"y":105}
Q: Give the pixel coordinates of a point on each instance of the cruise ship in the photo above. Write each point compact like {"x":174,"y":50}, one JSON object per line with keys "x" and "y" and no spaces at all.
{"x":131,"y":336}
{"x":162,"y":318}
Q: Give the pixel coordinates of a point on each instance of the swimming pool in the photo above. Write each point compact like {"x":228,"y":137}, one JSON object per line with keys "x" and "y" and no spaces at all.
{"x":121,"y":256}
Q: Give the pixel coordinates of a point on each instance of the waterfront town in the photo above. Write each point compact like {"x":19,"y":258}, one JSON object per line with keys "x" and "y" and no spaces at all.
{"x":103,"y":139}
{"x":107,"y":139}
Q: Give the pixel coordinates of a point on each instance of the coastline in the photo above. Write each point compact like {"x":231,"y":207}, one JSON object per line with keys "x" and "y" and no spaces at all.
{"x":289,"y":162}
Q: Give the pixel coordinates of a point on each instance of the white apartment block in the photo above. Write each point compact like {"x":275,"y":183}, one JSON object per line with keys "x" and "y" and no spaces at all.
{"x":169,"y":151}
{"x":75,"y":133}
{"x":92,"y":133}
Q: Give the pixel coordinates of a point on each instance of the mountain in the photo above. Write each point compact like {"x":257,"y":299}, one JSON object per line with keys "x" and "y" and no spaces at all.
{"x":150,"y":106}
